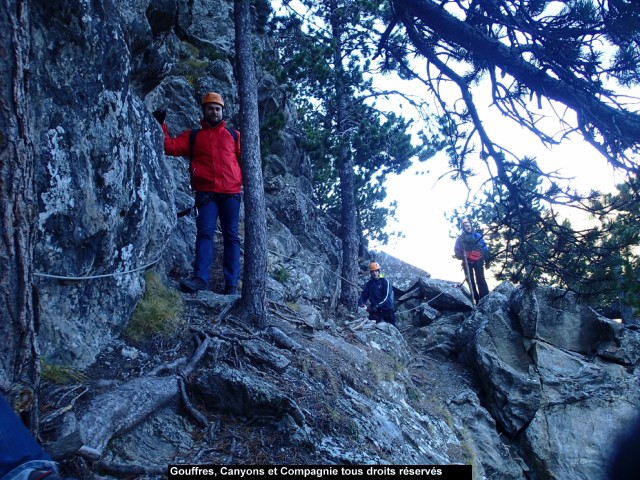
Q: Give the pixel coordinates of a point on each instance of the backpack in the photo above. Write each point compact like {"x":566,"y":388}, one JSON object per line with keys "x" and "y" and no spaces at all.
{"x":474,"y":255}
{"x":194,"y":133}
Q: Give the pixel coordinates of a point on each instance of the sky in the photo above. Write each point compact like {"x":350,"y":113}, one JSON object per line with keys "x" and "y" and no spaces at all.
{"x":424,"y":201}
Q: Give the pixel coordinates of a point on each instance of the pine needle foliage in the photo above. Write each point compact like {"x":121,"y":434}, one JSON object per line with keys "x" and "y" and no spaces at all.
{"x":338,"y":106}
{"x":533,"y":244}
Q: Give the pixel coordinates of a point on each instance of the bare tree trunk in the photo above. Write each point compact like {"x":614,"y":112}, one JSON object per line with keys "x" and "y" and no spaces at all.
{"x":19,"y":367}
{"x":349,"y":293}
{"x":254,"y":286}
{"x":349,"y":233}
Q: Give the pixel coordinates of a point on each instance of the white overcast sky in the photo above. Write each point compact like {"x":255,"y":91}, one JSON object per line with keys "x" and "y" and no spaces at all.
{"x":424,"y":201}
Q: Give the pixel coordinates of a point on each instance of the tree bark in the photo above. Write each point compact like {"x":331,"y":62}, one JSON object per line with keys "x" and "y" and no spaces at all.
{"x":19,"y":368}
{"x":349,"y":233}
{"x":254,"y":297}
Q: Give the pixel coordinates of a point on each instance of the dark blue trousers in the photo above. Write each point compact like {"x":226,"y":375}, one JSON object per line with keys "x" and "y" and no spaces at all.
{"x":211,"y":207}
{"x":479,"y":287}
{"x":20,"y":454}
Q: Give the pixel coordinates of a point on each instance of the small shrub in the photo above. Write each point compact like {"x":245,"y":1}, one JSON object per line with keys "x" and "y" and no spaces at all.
{"x":353,"y":429}
{"x":191,"y":66}
{"x":213,"y":54}
{"x":157,"y":313}
{"x":281,"y":275}
{"x":189,"y":50}
{"x":194,"y":64}
{"x":380,"y":373}
{"x":413,"y":394}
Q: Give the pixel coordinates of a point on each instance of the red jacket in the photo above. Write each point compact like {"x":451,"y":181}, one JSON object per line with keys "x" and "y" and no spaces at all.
{"x":215,"y":163}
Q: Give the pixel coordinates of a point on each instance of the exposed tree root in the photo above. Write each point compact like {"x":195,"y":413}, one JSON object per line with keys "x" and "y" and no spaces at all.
{"x":122,"y":471}
{"x":116,"y":411}
{"x":199,"y":417}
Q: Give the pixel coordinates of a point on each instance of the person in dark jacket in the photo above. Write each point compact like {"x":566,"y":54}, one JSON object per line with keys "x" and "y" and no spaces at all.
{"x":621,"y":463}
{"x":216,"y":178}
{"x":21,"y":456}
{"x":378,"y":292}
{"x":471,"y":248}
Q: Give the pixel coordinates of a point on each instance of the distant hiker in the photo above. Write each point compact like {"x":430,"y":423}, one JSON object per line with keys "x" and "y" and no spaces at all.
{"x":21,"y":457}
{"x":379,"y":293}
{"x":216,"y":178}
{"x":472,"y":250}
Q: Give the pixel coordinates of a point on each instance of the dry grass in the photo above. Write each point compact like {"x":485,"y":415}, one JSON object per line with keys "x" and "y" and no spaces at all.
{"x":159,"y":312}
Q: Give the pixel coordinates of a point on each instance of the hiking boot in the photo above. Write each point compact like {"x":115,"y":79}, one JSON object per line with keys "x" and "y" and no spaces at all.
{"x":193,"y":284}
{"x":230,"y":290}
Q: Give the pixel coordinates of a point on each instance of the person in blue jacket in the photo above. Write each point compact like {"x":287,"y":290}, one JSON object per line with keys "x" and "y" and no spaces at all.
{"x":471,"y":248}
{"x":379,"y":293}
{"x":21,"y":457}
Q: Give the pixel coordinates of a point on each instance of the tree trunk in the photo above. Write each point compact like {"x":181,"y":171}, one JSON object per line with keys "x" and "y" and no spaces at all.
{"x":349,"y":293}
{"x":254,"y":294}
{"x":19,"y":368}
{"x":349,"y":234}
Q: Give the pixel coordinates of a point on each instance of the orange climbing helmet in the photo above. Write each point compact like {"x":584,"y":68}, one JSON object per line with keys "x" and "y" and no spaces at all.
{"x":212,"y":97}
{"x":373,"y":266}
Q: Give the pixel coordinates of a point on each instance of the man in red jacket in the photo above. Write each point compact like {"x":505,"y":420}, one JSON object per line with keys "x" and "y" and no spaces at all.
{"x":216,"y":178}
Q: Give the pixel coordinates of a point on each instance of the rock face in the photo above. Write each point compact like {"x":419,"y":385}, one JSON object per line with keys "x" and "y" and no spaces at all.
{"x":105,"y":193}
{"x":529,"y":384}
{"x":547,"y":377}
{"x":468,"y":387}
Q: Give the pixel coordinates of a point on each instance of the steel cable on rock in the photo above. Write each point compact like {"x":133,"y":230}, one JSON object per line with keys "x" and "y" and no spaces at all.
{"x":105,"y":275}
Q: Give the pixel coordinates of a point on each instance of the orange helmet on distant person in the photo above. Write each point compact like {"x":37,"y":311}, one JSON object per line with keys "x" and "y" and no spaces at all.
{"x":212,"y":97}
{"x":373,"y":266}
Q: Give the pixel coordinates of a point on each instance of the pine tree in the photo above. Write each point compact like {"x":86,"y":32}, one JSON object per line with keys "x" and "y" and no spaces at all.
{"x":559,"y":70}
{"x":254,"y":298}
{"x":537,"y":246}
{"x":352,"y":148}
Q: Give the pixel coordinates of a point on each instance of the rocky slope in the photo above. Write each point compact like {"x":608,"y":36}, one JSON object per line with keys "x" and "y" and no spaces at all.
{"x":501,"y":387}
